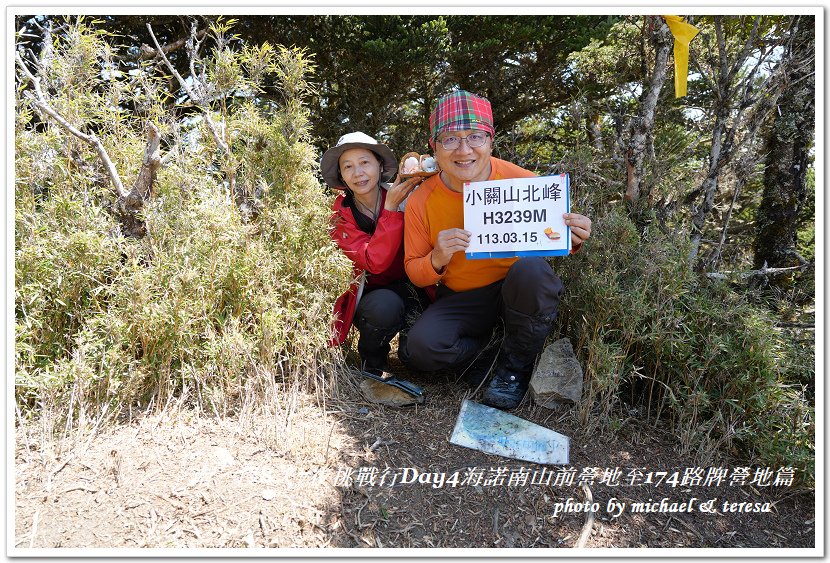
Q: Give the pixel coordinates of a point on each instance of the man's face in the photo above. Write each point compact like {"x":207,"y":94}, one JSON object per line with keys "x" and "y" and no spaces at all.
{"x":463,"y":163}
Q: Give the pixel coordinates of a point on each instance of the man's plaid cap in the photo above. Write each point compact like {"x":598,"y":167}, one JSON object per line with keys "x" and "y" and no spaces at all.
{"x":458,"y":111}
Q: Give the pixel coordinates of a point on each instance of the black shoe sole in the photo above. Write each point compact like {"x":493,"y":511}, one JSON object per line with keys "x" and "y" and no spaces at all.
{"x":500,"y":401}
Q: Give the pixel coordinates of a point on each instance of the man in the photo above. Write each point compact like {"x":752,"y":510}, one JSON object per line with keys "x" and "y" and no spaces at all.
{"x":472,"y":295}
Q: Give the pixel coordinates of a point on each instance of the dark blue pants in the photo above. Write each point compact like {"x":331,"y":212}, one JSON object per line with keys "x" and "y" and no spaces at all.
{"x":452,"y":330}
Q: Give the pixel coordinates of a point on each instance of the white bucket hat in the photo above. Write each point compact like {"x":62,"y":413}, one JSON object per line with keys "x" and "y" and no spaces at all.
{"x":330,"y":168}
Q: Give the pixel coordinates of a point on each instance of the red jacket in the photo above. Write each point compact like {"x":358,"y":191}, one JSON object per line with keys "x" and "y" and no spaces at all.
{"x":380,"y":255}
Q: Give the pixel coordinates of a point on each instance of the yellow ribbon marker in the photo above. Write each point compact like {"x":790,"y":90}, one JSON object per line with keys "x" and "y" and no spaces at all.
{"x":683,"y":34}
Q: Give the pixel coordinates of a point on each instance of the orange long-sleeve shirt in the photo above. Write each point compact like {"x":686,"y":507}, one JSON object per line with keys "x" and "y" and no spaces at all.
{"x":433,"y":208}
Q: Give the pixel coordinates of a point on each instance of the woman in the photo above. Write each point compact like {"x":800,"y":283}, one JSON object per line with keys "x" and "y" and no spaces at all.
{"x":368,"y":227}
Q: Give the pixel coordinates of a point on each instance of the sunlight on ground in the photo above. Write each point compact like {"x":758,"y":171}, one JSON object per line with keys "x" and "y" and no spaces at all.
{"x":182,"y":480}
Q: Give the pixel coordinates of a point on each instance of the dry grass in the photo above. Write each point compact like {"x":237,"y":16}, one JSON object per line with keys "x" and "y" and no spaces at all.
{"x":178,"y":478}
{"x":182,"y":478}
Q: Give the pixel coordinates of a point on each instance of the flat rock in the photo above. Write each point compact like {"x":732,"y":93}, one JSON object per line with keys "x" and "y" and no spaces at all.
{"x":383,"y":394}
{"x":557,"y":379}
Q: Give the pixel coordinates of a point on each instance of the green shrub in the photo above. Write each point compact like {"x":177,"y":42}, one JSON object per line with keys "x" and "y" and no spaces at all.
{"x":653,"y":335}
{"x":214,"y":304}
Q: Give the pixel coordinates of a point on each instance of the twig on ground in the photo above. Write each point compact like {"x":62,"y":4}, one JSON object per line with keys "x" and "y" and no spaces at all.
{"x":380,"y":442}
{"x":174,"y":503}
{"x":689,"y":527}
{"x":64,"y":464}
{"x":342,"y":521}
{"x":360,"y":525}
{"x":328,"y":445}
{"x":263,"y":524}
{"x":35,"y":520}
{"x":78,"y":488}
{"x":406,"y":529}
{"x":589,"y":519}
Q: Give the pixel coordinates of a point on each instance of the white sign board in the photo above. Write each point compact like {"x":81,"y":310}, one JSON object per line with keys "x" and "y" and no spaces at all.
{"x":518,"y":217}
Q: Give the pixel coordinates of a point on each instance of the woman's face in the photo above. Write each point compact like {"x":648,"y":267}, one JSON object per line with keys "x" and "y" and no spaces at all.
{"x":360,"y":170}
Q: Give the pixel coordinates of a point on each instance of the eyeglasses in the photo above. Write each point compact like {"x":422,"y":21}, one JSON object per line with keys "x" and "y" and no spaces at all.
{"x":474,"y":140}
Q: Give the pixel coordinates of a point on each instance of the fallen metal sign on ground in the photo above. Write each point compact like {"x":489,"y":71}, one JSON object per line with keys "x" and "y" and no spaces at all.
{"x":493,"y":431}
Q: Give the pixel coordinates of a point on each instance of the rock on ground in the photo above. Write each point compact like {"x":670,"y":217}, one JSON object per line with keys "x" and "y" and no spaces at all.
{"x":557,"y":379}
{"x":383,"y":394}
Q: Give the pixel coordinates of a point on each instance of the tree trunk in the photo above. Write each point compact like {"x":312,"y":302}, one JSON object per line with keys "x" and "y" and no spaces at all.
{"x":129,"y":205}
{"x":710,"y":183}
{"x":635,"y":156}
{"x":593,"y":123}
{"x":788,"y":145}
{"x":150,"y":164}
{"x":742,"y":102}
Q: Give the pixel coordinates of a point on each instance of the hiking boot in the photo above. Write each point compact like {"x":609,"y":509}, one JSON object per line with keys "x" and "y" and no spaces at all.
{"x":524,"y":338}
{"x":507,"y":389}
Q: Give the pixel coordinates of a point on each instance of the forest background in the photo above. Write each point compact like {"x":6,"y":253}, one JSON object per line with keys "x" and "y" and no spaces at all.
{"x":171,"y":226}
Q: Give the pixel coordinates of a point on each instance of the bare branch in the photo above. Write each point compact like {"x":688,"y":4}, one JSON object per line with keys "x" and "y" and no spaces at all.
{"x":196,"y":99}
{"x":762,"y":272}
{"x":703,"y":75}
{"x":148,"y":52}
{"x":61,"y":27}
{"x":710,"y":58}
{"x":182,"y":82}
{"x":739,"y":60}
{"x":193,"y":50}
{"x":805,"y":77}
{"x":722,"y":56}
{"x":743,"y":173}
{"x":168,"y":156}
{"x":748,"y":81}
{"x":40,"y":102}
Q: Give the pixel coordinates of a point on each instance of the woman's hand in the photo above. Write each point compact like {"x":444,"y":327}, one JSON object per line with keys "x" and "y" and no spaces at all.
{"x":398,"y":191}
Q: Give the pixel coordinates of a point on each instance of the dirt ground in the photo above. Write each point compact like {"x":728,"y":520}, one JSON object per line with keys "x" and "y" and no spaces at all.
{"x":178,"y":480}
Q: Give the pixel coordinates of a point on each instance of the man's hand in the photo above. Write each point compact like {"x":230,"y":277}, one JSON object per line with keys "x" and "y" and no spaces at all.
{"x":448,"y":243}
{"x":580,"y":227}
{"x":398,"y":191}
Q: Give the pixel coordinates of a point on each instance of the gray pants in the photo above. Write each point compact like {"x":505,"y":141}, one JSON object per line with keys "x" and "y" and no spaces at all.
{"x":453,"y":329}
